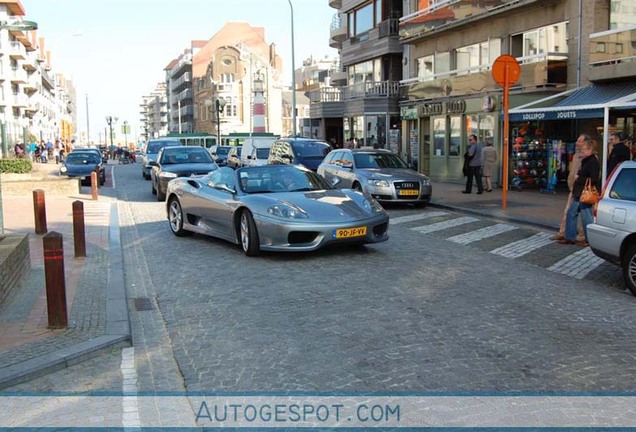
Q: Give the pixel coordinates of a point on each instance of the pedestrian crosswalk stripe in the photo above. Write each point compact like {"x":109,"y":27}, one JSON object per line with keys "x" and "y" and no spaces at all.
{"x":578,"y":265}
{"x":482,"y":233}
{"x":411,"y":218}
{"x":523,"y":247}
{"x":439,"y":226}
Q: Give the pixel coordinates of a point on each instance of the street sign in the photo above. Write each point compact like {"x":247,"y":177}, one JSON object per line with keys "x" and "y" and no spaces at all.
{"x":506,"y":70}
{"x":19,"y":25}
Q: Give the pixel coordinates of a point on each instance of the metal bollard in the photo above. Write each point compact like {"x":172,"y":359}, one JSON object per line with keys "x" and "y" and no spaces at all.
{"x":79,"y":232}
{"x":55,"y":282}
{"x":94,"y":183}
{"x":39,"y":210}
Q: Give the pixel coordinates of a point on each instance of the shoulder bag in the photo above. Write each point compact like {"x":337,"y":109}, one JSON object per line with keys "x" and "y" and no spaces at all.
{"x":590,"y":195}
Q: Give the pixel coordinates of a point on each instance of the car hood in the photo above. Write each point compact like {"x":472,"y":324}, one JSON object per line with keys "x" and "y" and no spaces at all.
{"x":332,"y":205}
{"x":391,"y":173}
{"x":189,"y":168}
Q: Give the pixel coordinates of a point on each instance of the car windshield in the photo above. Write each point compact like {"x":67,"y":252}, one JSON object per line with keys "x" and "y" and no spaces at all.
{"x":222,"y":151}
{"x":279,"y":178}
{"x":262,"y":153}
{"x":183,"y":155}
{"x":378,"y":160}
{"x":82,"y":158}
{"x":305,"y":149}
{"x":154,"y":146}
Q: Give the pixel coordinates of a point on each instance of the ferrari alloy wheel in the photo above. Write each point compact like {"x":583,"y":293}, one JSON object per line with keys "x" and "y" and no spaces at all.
{"x":249,"y":235}
{"x":629,"y":268}
{"x":175,"y":217}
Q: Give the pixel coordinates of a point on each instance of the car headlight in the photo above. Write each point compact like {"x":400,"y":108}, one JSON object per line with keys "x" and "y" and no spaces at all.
{"x":287,"y":211}
{"x":63,"y":169}
{"x":372,"y":205}
{"x":426,"y":182}
{"x":167,"y":175}
{"x":378,"y":183}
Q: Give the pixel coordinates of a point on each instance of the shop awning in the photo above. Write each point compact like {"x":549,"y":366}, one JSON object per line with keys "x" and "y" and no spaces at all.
{"x":583,"y":103}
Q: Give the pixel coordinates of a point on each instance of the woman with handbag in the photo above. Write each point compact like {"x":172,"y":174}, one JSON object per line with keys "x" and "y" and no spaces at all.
{"x":584,"y":195}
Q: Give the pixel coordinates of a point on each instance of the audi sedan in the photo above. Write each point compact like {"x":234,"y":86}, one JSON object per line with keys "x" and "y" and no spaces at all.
{"x":379,"y":173}
{"x":173,"y":162}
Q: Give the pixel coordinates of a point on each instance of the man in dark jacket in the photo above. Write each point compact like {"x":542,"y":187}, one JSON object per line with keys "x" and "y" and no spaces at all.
{"x":590,"y":169}
{"x":619,"y":152}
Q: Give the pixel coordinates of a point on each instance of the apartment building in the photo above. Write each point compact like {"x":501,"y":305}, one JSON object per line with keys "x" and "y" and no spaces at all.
{"x":577,"y":68}
{"x":179,"y":97}
{"x":154,"y":113}
{"x":35,"y":102}
{"x":362,"y":101}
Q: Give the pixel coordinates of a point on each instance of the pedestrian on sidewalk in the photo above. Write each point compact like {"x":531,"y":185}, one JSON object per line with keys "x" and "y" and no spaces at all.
{"x":620,"y":152}
{"x":474,"y":165}
{"x":489,"y":158}
{"x":590,"y":169}
{"x":576,"y":165}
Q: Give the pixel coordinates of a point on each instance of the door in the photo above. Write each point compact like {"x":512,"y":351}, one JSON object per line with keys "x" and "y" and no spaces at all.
{"x":424,"y":165}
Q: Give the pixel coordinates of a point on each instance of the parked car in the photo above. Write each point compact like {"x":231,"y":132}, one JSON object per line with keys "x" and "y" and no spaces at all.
{"x":81,"y":164}
{"x":380,"y":173}
{"x":151,"y":150}
{"x":182,"y":161}
{"x":256,"y":151}
{"x":612,"y":236}
{"x":273,"y":208}
{"x":299,"y":151}
{"x":234,"y":157}
{"x":219,"y":154}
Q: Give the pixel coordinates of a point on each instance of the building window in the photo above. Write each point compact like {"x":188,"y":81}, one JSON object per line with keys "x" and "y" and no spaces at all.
{"x":365,"y":18}
{"x":535,"y":45}
{"x":600,"y":47}
{"x":425,"y":69}
{"x":619,"y":48}
{"x":622,"y":14}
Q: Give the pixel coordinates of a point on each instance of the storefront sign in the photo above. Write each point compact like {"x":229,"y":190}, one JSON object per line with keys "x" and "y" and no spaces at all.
{"x":488,"y":104}
{"x":567,"y":114}
{"x":456,"y":107}
{"x":431,"y":109}
{"x":409,"y":113}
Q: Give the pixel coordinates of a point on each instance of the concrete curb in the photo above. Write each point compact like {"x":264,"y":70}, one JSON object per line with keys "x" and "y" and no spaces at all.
{"x":118,"y":330}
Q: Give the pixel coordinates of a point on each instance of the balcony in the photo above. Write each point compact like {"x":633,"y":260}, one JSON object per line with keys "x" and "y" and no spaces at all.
{"x":325,"y":94}
{"x":613,"y":54}
{"x":541,"y":70}
{"x":179,"y":83}
{"x":47,"y":81}
{"x":185,"y":62}
{"x":336,"y":4}
{"x":372,"y":89}
{"x":338,"y":31}
{"x":30,"y":86}
{"x":185,"y":94}
{"x":20,"y":100}
{"x":18,"y":75}
{"x":17,"y":50}
{"x":390,"y":27}
{"x":451,"y":13}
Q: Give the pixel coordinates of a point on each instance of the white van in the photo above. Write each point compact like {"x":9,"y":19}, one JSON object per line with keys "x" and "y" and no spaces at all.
{"x":256,"y":150}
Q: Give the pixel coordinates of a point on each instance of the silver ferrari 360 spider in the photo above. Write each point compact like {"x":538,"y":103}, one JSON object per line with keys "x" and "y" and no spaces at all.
{"x":273,"y":208}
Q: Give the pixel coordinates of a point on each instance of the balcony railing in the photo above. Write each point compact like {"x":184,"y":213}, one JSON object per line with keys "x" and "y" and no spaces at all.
{"x":338,"y":32}
{"x":185,"y":78}
{"x":18,"y":51}
{"x":545,"y":69}
{"x":446,"y":13}
{"x":390,"y":27}
{"x":18,"y":74}
{"x":613,"y":47}
{"x":372,"y":89}
{"x":325,"y":94}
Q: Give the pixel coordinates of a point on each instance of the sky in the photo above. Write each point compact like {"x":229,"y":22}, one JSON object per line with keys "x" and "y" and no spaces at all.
{"x":115,"y":51}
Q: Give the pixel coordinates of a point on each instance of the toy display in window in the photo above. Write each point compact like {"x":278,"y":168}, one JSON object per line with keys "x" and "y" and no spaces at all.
{"x":529,"y":163}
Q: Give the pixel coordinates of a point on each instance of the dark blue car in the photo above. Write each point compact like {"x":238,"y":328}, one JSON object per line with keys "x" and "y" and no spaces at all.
{"x":81,"y":165}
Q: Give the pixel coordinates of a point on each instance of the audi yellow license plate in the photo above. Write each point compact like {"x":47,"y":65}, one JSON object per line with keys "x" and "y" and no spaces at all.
{"x":409,"y":192}
{"x":345,"y":233}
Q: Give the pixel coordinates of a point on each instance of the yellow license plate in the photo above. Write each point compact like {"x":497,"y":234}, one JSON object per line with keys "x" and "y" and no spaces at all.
{"x":350,"y":232}
{"x":409,"y":192}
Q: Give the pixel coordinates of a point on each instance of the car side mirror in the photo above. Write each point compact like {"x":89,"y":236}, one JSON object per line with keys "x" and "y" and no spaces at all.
{"x":347,"y":165}
{"x":224,"y":187}
{"x":153,"y":163}
{"x":412,"y":166}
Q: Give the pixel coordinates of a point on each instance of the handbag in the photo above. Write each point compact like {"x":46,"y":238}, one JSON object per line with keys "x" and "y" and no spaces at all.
{"x":589,"y":195}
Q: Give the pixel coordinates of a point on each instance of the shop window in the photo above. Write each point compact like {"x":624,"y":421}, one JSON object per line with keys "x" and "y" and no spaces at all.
{"x":455,"y":141}
{"x":439,"y":136}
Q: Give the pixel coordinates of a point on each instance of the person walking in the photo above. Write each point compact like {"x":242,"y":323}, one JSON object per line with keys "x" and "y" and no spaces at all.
{"x":590,"y":169}
{"x":576,"y":165}
{"x":474,"y":165}
{"x":488,"y":158}
{"x":619,"y":153}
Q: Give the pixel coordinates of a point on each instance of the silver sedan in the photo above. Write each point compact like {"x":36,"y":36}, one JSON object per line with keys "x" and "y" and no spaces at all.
{"x":379,"y":173}
{"x":273,"y":208}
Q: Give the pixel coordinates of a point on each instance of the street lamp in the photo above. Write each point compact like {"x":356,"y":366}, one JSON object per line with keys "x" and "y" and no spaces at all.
{"x":125,"y":128}
{"x":293,"y":69}
{"x":110,"y":120}
{"x":216,"y":106}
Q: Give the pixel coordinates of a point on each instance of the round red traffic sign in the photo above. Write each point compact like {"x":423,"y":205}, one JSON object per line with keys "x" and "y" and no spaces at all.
{"x":506,"y":70}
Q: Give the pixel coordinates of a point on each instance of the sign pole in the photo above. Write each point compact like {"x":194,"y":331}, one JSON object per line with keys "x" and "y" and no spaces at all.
{"x":506,"y":130}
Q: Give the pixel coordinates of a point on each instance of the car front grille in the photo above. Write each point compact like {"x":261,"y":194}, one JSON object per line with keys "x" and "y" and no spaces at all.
{"x":407,"y":186}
